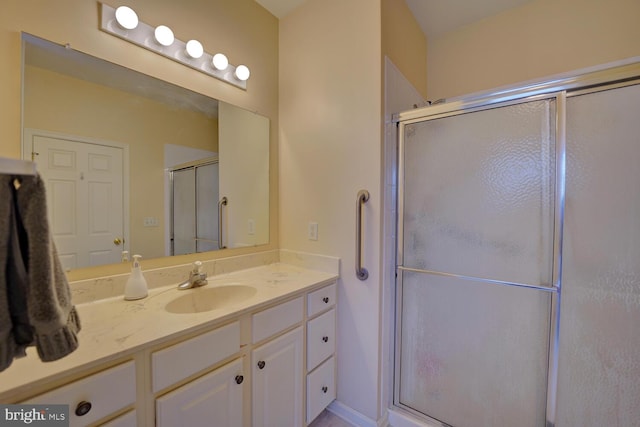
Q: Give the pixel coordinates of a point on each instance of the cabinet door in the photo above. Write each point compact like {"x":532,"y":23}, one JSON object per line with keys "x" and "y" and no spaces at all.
{"x":277,"y":382}
{"x":214,"y":399}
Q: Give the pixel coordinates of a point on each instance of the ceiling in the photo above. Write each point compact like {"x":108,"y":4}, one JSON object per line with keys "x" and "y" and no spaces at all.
{"x":434,"y":16}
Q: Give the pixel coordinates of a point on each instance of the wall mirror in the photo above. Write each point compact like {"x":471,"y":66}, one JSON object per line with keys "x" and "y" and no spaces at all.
{"x":136,"y":164}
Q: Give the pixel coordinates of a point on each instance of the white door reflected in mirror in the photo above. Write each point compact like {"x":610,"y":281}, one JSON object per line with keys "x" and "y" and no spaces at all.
{"x":85,"y":188}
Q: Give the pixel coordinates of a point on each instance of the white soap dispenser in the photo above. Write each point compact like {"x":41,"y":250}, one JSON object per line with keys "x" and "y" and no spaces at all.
{"x":136,"y":287}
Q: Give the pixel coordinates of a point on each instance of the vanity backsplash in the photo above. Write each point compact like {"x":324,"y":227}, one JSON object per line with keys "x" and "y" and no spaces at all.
{"x":88,"y":290}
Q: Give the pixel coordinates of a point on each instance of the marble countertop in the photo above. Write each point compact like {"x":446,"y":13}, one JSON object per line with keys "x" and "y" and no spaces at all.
{"x":113,"y":328}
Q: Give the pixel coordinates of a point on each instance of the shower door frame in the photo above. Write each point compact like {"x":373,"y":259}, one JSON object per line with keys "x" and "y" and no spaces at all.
{"x":608,"y":76}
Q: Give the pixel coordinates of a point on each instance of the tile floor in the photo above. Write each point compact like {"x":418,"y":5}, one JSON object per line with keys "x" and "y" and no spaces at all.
{"x":327,"y":419}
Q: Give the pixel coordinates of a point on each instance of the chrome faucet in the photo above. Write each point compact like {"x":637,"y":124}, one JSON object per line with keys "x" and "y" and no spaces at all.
{"x":196,"y":278}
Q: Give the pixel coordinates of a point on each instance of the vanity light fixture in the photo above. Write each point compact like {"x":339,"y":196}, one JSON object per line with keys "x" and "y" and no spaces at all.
{"x":126,"y":18}
{"x":123,"y":23}
{"x":164,"y":35}
{"x":194,"y":49}
{"x":220,"y":61}
{"x":243,"y":73}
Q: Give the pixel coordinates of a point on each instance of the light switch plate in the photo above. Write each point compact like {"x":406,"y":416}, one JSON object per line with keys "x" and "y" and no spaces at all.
{"x":313,"y":231}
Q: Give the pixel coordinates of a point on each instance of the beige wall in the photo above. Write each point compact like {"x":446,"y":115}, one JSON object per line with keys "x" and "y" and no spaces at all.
{"x":242,"y":29}
{"x":58,"y":103}
{"x":244,"y":175}
{"x":538,"y":39}
{"x":330,"y":147}
{"x":404,"y":43}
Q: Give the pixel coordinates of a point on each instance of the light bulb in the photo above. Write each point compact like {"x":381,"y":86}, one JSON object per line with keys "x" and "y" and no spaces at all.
{"x":220,"y":61}
{"x":164,"y":35}
{"x":126,"y":18}
{"x":242,"y":72}
{"x":194,"y":49}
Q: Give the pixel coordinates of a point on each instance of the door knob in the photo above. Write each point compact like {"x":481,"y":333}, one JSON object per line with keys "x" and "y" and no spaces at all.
{"x":117,"y":241}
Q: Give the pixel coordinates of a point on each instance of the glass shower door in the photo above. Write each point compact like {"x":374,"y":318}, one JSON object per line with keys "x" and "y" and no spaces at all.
{"x":599,"y":364}
{"x":183,"y":217}
{"x":476,"y":249}
{"x":207,"y":207}
{"x":194,"y":219}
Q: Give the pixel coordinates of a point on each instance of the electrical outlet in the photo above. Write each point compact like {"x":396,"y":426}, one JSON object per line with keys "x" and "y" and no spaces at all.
{"x":252,"y":227}
{"x":313,"y":231}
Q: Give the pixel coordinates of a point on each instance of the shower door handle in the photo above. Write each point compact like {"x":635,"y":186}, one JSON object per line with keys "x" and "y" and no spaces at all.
{"x":221,"y":203}
{"x":361,"y":272}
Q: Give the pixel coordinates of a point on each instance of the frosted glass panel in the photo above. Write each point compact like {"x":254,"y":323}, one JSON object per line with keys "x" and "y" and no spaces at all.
{"x":474,"y":354}
{"x":184,"y":218}
{"x":207,"y":210}
{"x":599,"y":365}
{"x":478,"y":193}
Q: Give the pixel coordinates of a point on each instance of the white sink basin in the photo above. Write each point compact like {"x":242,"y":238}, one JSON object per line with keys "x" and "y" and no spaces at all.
{"x":206,"y":299}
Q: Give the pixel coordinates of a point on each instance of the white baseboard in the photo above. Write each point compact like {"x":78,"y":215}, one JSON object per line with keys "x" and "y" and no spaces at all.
{"x":400,"y":419}
{"x":351,"y":416}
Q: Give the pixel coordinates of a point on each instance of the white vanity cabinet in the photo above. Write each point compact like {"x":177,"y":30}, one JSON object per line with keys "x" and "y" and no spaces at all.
{"x":277,"y":381}
{"x":270,"y":366}
{"x":215,"y":399}
{"x":321,"y":348}
{"x":277,"y":365}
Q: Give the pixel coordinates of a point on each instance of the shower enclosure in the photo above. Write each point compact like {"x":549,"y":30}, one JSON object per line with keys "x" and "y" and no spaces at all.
{"x":518,"y":276}
{"x":194,"y":207}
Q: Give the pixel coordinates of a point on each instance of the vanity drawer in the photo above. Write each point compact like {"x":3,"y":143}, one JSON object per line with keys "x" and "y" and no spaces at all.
{"x":321,"y":338}
{"x":181,"y":360}
{"x":321,"y":299}
{"x":321,"y":389}
{"x":276,"y":319}
{"x":108,"y":391}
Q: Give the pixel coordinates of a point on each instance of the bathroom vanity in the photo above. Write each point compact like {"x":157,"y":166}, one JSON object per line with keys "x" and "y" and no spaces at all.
{"x":255,"y":347}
